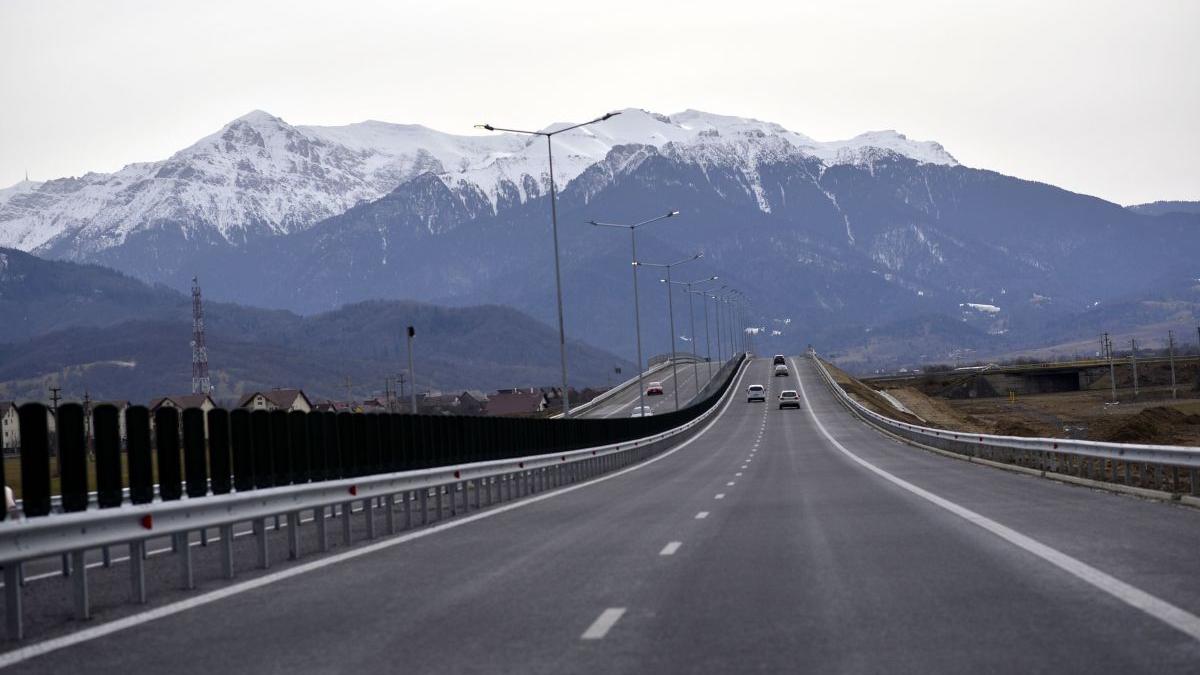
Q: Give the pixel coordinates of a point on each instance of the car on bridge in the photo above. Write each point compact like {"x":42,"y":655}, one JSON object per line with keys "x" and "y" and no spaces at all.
{"x":756,"y":392}
{"x":654,"y":389}
{"x":780,"y":360}
{"x":788,"y":398}
{"x":642,"y":411}
{"x":781,"y":371}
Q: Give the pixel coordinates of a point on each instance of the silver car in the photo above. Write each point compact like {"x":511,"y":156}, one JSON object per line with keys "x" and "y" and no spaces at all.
{"x":642,"y":411}
{"x":756,"y":392}
{"x":781,"y":371}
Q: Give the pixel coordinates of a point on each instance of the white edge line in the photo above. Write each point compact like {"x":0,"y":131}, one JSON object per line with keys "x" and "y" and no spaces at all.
{"x":54,"y":644}
{"x":1173,"y":616}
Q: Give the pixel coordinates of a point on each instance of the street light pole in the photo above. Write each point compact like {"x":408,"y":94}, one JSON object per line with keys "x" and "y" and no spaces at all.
{"x":562,"y":334}
{"x":671,"y":312}
{"x":637,"y":314}
{"x":692,"y":318}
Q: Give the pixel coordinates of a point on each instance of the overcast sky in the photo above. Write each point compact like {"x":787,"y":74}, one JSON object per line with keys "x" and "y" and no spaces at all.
{"x":1096,"y":96}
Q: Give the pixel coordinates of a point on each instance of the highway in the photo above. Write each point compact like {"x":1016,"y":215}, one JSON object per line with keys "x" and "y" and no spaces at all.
{"x":691,"y":380}
{"x":777,"y":541}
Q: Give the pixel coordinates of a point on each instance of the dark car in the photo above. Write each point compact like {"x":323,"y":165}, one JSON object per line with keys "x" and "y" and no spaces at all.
{"x":779,"y":360}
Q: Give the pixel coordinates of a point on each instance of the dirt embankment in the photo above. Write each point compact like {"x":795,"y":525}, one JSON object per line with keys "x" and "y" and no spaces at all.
{"x":868,"y":396}
{"x":938,"y":413}
{"x":1158,"y":425}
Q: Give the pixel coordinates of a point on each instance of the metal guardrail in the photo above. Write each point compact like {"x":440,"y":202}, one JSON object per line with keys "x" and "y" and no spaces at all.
{"x":1170,"y":468}
{"x":480,"y":484}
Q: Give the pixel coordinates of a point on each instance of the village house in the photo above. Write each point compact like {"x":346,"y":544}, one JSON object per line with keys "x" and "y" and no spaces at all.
{"x":277,"y":399}
{"x":517,"y":402}
{"x":10,"y":426}
{"x":182,"y":402}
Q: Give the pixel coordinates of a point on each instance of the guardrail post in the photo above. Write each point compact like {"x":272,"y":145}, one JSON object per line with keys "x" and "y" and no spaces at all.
{"x":293,"y":523}
{"x":369,"y":516}
{"x":389,"y":503}
{"x":424,"y":495}
{"x":260,"y":531}
{"x":83,"y":608}
{"x":347,"y":508}
{"x":227,"y":551}
{"x":137,"y":571}
{"x":408,"y":499}
{"x":319,"y":517}
{"x":12,"y":601}
{"x":1192,"y":479}
{"x":186,"y":570}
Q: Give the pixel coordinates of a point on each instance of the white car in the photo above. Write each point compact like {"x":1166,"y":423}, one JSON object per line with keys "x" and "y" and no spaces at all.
{"x":642,"y":411}
{"x":756,"y":392}
{"x":788,"y":398}
{"x":781,"y":371}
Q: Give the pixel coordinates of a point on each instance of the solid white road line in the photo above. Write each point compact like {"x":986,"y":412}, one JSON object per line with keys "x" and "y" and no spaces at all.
{"x":603,"y":623}
{"x":670,"y":548}
{"x":25,"y":653}
{"x":702,"y":515}
{"x":1173,"y":616}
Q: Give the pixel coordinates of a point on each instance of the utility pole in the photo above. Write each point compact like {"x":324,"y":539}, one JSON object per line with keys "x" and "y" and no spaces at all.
{"x":349,"y":399}
{"x":1171,"y":355}
{"x":400,"y":379}
{"x":411,"y":377}
{"x":1112,"y":371}
{"x":1133,"y":363}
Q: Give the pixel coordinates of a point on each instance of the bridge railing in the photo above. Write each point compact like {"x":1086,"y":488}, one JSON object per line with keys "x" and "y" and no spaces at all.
{"x":1169,"y":468}
{"x":260,"y":465}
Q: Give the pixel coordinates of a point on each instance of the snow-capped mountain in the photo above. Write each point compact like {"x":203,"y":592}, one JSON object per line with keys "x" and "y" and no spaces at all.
{"x":259,"y":175}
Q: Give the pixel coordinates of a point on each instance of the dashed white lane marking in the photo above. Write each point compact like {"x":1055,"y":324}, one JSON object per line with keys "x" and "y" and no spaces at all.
{"x":737,"y":474}
{"x":730,"y":483}
{"x":603,"y":623}
{"x":719,"y":495}
{"x":1173,"y":616}
{"x":94,"y":632}
{"x":743,"y":466}
{"x":670,"y":548}
{"x":702,"y":515}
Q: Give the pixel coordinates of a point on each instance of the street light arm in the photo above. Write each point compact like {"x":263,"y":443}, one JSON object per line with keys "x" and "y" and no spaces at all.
{"x":511,"y":131}
{"x":547,"y":133}
{"x":599,"y":224}
{"x":582,"y":124}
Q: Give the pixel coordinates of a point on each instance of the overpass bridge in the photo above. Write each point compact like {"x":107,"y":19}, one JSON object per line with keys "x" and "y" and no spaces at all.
{"x":759,"y":539}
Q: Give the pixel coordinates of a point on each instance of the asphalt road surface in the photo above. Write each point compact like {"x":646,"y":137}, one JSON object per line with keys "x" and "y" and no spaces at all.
{"x":777,"y":541}
{"x":690,"y":380}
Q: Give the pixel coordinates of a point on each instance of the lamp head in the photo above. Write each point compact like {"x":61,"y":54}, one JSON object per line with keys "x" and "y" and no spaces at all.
{"x":484,"y":126}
